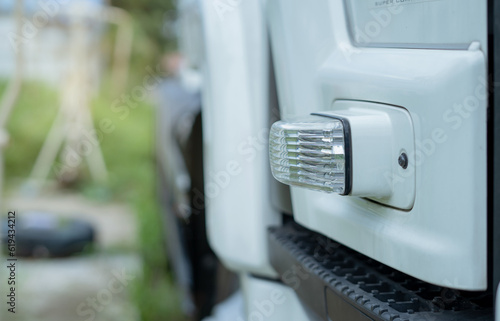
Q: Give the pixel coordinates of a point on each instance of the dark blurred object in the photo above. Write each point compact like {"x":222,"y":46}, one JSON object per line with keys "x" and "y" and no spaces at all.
{"x":204,"y":281}
{"x":40,"y":234}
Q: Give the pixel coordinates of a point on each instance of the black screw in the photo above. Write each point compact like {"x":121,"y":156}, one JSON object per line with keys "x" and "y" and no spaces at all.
{"x":403,"y":160}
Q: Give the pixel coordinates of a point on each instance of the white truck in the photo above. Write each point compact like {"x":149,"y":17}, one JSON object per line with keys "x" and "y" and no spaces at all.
{"x":342,"y":162}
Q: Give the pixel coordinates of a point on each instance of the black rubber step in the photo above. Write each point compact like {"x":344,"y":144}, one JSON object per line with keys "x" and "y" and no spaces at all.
{"x":338,"y":283}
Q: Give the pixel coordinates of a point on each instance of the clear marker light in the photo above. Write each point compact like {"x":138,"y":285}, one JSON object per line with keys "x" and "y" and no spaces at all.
{"x":312,"y":153}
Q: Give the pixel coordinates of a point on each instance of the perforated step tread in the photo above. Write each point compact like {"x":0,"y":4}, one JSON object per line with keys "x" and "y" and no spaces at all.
{"x":310,"y":262}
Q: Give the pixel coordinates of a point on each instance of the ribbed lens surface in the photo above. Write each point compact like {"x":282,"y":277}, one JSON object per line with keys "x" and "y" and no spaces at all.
{"x":309,"y":153}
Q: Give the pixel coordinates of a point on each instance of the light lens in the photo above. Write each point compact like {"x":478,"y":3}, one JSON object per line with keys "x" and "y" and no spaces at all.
{"x":310,"y":153}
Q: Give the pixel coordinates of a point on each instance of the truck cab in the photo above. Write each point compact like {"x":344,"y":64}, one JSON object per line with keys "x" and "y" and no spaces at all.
{"x":349,"y":154}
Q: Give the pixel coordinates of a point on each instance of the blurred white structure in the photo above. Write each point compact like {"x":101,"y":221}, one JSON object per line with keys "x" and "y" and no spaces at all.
{"x":44,"y":36}
{"x":61,"y":46}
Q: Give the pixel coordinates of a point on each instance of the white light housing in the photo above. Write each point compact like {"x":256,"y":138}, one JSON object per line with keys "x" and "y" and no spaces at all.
{"x":313,"y":152}
{"x":359,"y":149}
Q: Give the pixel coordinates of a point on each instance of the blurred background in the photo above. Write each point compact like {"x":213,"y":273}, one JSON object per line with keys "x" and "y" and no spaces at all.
{"x":80,"y":82}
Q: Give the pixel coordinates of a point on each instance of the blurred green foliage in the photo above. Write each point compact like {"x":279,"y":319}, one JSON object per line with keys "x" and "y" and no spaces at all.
{"x":153,"y":18}
{"x":128,"y":151}
{"x":129,"y":156}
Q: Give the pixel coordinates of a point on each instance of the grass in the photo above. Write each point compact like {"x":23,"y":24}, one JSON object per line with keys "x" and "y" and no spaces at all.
{"x":28,"y":126}
{"x":128,"y":151}
{"x":129,"y":154}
